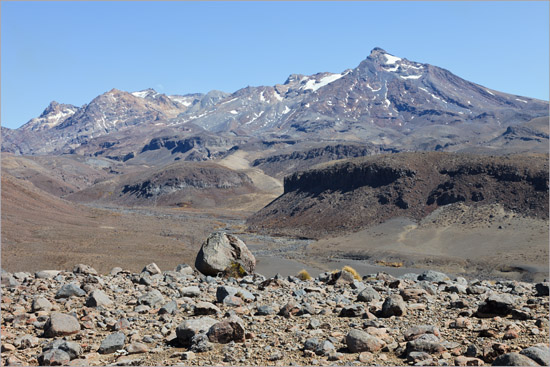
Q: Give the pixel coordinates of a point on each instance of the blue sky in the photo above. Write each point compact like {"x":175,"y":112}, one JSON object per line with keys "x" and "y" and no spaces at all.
{"x":73,"y":51}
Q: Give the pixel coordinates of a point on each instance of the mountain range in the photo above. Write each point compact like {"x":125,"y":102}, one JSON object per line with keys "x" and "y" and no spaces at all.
{"x":386,"y":101}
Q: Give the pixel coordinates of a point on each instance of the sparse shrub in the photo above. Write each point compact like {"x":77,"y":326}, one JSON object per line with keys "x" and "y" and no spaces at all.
{"x":351,"y":270}
{"x":303,"y":275}
{"x":395,"y":264}
{"x":235,"y":270}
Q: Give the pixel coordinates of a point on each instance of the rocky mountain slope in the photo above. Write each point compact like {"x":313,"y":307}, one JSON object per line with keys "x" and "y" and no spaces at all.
{"x":181,"y":317}
{"x":355,"y":194}
{"x":386,"y":100}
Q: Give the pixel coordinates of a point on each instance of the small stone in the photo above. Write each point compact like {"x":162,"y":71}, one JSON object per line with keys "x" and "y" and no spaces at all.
{"x":224,"y":291}
{"x":428,"y":343}
{"x":84,"y":269}
{"x":368,"y":294}
{"x":415,"y":331}
{"x":151,"y":298}
{"x":54,"y":357}
{"x":189,"y":328}
{"x":205,"y":308}
{"x":152,"y":269}
{"x":541,"y":354}
{"x":46,"y":274}
{"x":496,"y":305}
{"x":352,"y":311}
{"x":514,"y":359}
{"x":61,"y":324}
{"x":412,"y":293}
{"x":291,"y":308}
{"x":69,"y":290}
{"x":192,"y":291}
{"x":542,"y":289}
{"x":188,"y":356}
{"x":366,"y":358}
{"x":360,"y":341}
{"x":433,"y":276}
{"x":461,"y":323}
{"x":393,"y":306}
{"x":184,"y":269}
{"x":136,"y":348}
{"x":169,"y":308}
{"x":468,"y":361}
{"x":112,"y":343}
{"x":41,"y":304}
{"x":265,"y":310}
{"x":98,"y":298}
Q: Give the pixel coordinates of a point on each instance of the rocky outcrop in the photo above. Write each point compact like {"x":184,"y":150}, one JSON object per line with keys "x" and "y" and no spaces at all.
{"x":222,"y":252}
{"x":358,"y":193}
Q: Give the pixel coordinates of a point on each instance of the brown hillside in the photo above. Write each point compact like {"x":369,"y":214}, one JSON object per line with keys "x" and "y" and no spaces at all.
{"x":358,"y":193}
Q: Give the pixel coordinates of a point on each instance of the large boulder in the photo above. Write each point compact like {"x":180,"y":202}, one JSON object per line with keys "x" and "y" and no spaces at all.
{"x":221,"y":252}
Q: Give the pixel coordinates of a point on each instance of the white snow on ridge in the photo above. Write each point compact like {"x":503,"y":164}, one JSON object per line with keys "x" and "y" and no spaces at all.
{"x":141,"y":94}
{"x":390,"y":60}
{"x":314,"y":85}
{"x":521,"y":100}
{"x":488,"y":91}
{"x":262,"y":98}
{"x":278,"y":96}
{"x":410,"y":76}
{"x":233,"y":112}
{"x":374,"y":90}
{"x":287,"y":110}
{"x":231,"y":100}
{"x":180,"y":99}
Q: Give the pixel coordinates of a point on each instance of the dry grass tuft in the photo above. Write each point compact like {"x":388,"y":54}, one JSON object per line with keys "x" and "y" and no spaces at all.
{"x":351,"y":270}
{"x":303,"y":275}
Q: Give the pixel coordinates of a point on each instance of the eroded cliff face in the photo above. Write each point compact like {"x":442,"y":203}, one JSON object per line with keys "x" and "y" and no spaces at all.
{"x":358,"y":193}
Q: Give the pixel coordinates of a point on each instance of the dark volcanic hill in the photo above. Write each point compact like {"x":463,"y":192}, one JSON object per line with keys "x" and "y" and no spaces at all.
{"x":358,"y":193}
{"x":386,"y":100}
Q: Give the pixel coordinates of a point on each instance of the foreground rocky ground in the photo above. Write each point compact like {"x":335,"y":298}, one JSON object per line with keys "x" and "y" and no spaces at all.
{"x":181,"y":317}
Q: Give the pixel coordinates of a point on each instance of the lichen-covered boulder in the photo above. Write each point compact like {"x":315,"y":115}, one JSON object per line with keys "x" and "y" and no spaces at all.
{"x":222,"y":252}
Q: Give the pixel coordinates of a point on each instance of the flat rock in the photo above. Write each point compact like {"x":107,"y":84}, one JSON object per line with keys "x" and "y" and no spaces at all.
{"x":433,"y":276}
{"x":359,"y":341}
{"x":496,"y":305}
{"x":61,"y":324}
{"x":54,"y":357}
{"x":69,"y":290}
{"x":189,"y":328}
{"x":84,"y":269}
{"x":112,"y":343}
{"x":514,"y":359}
{"x":224,"y":291}
{"x":152,"y":269}
{"x":541,"y":355}
{"x":191,"y":291}
{"x":41,"y":304}
{"x":205,"y":308}
{"x":368,"y":294}
{"x":46,"y":274}
{"x":98,"y":298}
{"x":151,"y":298}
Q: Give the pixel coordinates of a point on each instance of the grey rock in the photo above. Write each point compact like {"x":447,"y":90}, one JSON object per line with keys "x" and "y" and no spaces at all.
{"x":84,"y":269}
{"x":200,"y":343}
{"x":359,"y":341}
{"x":152,"y":269}
{"x":46,"y":274}
{"x":541,"y":354}
{"x":220,"y":251}
{"x":496,"y":305}
{"x":393,"y":306}
{"x":189,"y":328}
{"x":169,"y":308}
{"x":151,"y":298}
{"x":98,"y":298}
{"x":311,"y":344}
{"x":205,"y":308}
{"x":433,"y":276}
{"x":41,"y":304}
{"x":224,"y":291}
{"x":184,"y":269}
{"x":368,"y":294}
{"x":54,"y":357}
{"x":428,"y":343}
{"x":112,"y":343}
{"x":415,"y":331}
{"x":542,"y":289}
{"x":514,"y":359}
{"x":61,"y":324}
{"x":352,"y":311}
{"x":25,"y":341}
{"x":325,"y":348}
{"x":68,"y":290}
{"x":191,"y":291}
{"x":265,"y":310}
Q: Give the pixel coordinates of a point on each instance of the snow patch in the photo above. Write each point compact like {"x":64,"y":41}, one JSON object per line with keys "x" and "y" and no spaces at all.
{"x":488,"y":91}
{"x":278,"y":96}
{"x":390,"y":59}
{"x":231,"y":100}
{"x":262,"y":98}
{"x":141,"y":94}
{"x":287,"y":110}
{"x":233,"y":112}
{"x":521,"y":100}
{"x":410,"y":76}
{"x":314,"y":85}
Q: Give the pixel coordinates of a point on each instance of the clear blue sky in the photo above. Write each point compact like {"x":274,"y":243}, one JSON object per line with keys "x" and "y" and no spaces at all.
{"x":73,"y":51}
